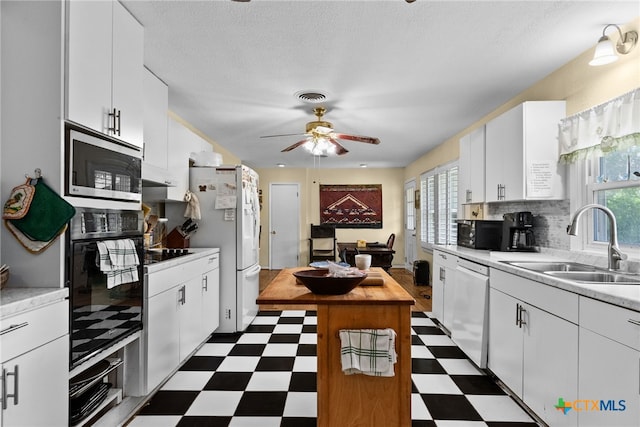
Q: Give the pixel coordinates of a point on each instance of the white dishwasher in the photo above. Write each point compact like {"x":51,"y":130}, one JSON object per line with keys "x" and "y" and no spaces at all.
{"x":469,"y":328}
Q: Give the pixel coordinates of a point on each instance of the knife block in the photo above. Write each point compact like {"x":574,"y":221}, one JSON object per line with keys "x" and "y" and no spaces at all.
{"x":175,"y":240}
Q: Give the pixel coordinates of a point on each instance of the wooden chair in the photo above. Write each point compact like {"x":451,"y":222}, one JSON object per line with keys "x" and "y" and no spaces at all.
{"x":391,"y":240}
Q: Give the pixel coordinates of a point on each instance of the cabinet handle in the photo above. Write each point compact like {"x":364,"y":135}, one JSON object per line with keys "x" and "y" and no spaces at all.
{"x":118,"y":121}
{"x":443,"y":256}
{"x":442,"y":275}
{"x":5,"y":387}
{"x":469,"y":193}
{"x":522,"y":322}
{"x":517,"y":315}
{"x":213,"y":258}
{"x":112,"y":122}
{"x":634,"y":322}
{"x":205,"y":283}
{"x":183,"y":295}
{"x":13,"y":328}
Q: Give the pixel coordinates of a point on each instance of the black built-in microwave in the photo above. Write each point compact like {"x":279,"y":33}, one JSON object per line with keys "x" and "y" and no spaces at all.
{"x":100,"y":167}
{"x":480,"y":234}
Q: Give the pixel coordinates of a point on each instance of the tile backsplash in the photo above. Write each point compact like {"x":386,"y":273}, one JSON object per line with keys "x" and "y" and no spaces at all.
{"x":550,"y":219}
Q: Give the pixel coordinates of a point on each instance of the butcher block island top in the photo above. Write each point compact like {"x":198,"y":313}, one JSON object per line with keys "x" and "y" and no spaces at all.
{"x":283,"y":289}
{"x":355,"y":400}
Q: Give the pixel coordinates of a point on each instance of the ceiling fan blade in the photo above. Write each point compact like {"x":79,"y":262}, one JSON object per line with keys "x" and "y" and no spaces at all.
{"x":296,"y":145}
{"x":367,"y":139}
{"x":284,"y":134}
{"x":340,"y":150}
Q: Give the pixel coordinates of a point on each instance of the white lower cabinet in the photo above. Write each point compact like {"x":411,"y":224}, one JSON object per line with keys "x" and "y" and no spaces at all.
{"x":609,"y":367}
{"x":210,"y":296}
{"x":182,"y":310}
{"x":444,"y":272}
{"x":35,"y":367}
{"x":533,"y":351}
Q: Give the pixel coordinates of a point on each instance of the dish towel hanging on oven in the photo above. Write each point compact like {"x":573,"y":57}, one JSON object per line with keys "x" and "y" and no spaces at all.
{"x":368,"y":351}
{"x":118,"y":259}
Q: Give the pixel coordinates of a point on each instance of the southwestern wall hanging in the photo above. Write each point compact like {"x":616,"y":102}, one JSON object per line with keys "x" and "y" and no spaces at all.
{"x":351,"y":206}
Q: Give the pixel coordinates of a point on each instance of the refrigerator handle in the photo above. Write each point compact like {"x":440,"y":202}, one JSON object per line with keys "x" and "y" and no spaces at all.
{"x":253,"y":272}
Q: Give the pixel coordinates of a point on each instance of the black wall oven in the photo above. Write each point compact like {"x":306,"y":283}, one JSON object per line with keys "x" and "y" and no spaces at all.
{"x":99,"y":167}
{"x":101,"y":315}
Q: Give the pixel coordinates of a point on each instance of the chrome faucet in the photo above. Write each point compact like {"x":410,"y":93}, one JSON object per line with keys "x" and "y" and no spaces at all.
{"x":615,"y":255}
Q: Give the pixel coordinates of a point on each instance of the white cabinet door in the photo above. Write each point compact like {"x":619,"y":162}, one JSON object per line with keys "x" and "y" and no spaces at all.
{"x":505,"y":340}
{"x":471,"y":167}
{"x":609,"y":372}
{"x":104,"y":69}
{"x":547,"y":340}
{"x":127,"y":90}
{"x":162,"y":336}
{"x":156,"y":104}
{"x":504,"y":159}
{"x":89,"y":63}
{"x":190,"y":314}
{"x":437,"y":297}
{"x":210,"y":302}
{"x":41,"y":386}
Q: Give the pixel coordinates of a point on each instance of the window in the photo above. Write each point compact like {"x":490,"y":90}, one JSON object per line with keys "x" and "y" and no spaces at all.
{"x":615,"y":183}
{"x":439,"y":206}
{"x":410,"y":208}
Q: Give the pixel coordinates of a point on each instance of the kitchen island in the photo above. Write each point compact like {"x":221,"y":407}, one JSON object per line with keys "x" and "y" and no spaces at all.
{"x":350,"y":400}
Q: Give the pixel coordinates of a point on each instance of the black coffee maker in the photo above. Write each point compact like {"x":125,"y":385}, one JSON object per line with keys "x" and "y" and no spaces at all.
{"x":517,"y":232}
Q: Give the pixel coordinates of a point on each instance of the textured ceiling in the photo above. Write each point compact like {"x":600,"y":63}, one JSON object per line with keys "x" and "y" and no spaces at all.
{"x":411,"y":74}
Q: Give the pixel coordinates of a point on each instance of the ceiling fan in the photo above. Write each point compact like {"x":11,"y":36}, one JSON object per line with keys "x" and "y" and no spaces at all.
{"x":321,"y":140}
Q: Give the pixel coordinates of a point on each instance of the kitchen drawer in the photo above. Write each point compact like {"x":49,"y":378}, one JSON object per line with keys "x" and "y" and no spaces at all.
{"x":210,"y":262}
{"x":164,"y":280}
{"x":617,"y":323}
{"x":445,"y":259}
{"x":24,"y":332}
{"x":553,"y":300}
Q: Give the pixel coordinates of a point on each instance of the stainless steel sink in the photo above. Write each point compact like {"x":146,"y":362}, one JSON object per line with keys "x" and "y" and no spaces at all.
{"x":551,"y":266}
{"x":596,"y":277}
{"x":577,"y":272}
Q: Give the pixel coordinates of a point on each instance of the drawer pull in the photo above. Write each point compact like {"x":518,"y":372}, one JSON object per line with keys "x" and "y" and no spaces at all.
{"x":13,"y":328}
{"x":634,"y":322}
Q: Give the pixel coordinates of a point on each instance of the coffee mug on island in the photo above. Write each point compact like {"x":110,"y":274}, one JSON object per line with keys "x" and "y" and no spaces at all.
{"x":363,"y":261}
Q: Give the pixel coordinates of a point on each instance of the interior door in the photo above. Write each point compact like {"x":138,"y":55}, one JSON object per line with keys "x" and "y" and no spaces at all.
{"x":284,"y":225}
{"x":410,"y":224}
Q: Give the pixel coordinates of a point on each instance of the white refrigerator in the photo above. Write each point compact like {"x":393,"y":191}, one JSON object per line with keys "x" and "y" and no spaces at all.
{"x":230,"y":210}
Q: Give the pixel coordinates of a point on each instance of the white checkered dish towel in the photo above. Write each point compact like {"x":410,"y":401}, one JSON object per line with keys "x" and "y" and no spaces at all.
{"x":119,"y":260}
{"x":368,"y":351}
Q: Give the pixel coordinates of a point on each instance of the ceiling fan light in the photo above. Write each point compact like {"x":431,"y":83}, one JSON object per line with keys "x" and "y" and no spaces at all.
{"x":604,"y":52}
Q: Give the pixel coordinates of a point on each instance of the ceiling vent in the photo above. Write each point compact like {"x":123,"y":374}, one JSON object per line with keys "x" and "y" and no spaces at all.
{"x":311,"y":96}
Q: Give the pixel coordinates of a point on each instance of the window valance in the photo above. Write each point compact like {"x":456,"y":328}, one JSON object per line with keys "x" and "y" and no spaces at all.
{"x":611,"y":126}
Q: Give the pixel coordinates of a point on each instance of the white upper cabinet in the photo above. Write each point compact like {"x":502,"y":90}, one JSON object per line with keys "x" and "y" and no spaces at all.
{"x":471,"y":168}
{"x":522,"y":153}
{"x":156,"y":104}
{"x":105,"y":69}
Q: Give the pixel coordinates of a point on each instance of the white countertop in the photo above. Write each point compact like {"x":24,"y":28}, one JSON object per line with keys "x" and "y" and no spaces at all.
{"x":627,"y":296}
{"x":16,"y":300}
{"x":197,"y":253}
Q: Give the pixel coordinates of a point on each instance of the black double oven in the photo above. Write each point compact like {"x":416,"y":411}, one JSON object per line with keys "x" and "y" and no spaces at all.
{"x":104,"y":182}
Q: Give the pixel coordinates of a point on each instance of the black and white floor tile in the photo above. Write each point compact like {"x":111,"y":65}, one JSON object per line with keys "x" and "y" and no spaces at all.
{"x":267,"y":377}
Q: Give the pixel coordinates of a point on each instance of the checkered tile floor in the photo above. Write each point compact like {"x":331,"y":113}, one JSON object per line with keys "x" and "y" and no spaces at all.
{"x":267,"y":377}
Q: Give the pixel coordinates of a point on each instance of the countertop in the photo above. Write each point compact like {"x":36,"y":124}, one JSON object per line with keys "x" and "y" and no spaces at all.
{"x":627,"y":296}
{"x":283,"y":289}
{"x":16,"y":300}
{"x":197,"y":253}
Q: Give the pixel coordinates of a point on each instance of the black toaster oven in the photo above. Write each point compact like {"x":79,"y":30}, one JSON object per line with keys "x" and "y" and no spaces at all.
{"x":480,"y":234}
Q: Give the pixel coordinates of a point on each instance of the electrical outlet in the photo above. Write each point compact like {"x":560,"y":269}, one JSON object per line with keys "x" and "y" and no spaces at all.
{"x":227,"y":313}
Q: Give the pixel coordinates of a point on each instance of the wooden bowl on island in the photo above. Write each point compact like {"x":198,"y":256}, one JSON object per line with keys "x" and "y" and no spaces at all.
{"x":318,"y":281}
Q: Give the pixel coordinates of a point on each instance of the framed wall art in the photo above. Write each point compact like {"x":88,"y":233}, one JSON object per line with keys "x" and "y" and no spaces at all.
{"x":351,"y":206}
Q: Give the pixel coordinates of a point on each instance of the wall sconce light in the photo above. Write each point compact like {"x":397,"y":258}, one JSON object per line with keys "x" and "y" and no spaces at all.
{"x":605,"y":52}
